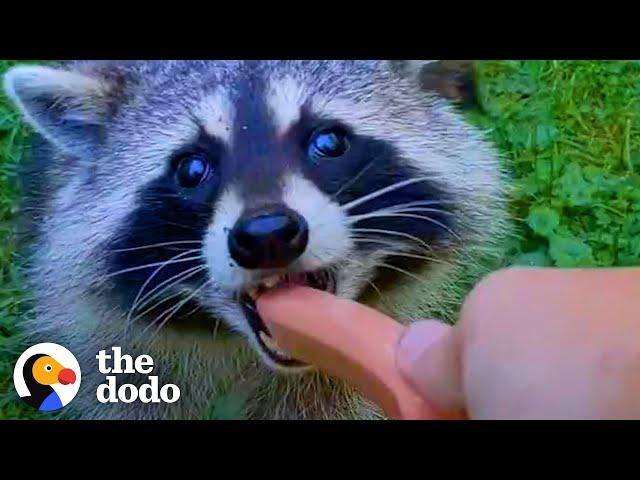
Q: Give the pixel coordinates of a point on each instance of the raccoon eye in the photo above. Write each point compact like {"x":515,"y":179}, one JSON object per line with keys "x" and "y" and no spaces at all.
{"x":329,"y":142}
{"x":192,"y":170}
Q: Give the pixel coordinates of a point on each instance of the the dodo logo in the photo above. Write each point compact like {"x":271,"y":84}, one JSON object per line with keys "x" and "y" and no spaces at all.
{"x":47,"y":376}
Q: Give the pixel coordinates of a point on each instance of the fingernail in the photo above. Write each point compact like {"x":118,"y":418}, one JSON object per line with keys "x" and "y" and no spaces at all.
{"x":416,"y":340}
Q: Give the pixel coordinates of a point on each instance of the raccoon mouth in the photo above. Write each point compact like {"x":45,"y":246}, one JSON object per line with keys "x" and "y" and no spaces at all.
{"x":320,"y":280}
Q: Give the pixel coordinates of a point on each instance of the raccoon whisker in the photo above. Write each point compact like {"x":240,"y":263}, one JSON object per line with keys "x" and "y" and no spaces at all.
{"x":149,"y":297}
{"x":151,"y":277}
{"x":353,"y":179}
{"x":393,"y":232}
{"x":216,"y":329}
{"x":149,"y":265}
{"x":425,"y":203}
{"x":156,"y":305}
{"x":442,"y":299}
{"x":379,"y":241}
{"x":382,"y":297}
{"x":358,"y":218}
{"x":419,"y":206}
{"x":186,"y":227}
{"x":370,"y":282}
{"x":397,"y":208}
{"x":400,"y":252}
{"x":419,"y":203}
{"x":401,"y":270}
{"x":399,"y":246}
{"x":167,"y":284}
{"x":382,"y":191}
{"x":156,"y":245}
{"x":419,"y":209}
{"x":175,"y":310}
{"x":169,"y":310}
{"x":198,"y":307}
{"x":393,"y":253}
{"x":400,"y":210}
{"x":155,"y":272}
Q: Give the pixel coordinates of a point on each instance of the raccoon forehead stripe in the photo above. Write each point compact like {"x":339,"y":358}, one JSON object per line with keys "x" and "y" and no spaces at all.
{"x":284,"y":98}
{"x":216,"y":113}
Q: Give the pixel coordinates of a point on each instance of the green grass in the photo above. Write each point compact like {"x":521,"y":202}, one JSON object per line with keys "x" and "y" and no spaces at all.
{"x":570,"y":135}
{"x":12,"y":136}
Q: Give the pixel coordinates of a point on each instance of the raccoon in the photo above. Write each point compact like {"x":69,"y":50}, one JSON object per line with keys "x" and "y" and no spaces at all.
{"x":164,"y":196}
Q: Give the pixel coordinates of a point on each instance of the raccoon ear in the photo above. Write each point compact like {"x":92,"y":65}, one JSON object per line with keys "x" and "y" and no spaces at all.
{"x":69,"y":108}
{"x":411,"y":68}
{"x":452,"y":79}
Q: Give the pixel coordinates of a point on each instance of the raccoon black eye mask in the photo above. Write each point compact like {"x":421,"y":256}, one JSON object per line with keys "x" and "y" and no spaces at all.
{"x":178,"y":190}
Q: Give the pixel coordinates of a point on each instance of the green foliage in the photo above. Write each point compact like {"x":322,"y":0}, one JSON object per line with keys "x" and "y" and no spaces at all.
{"x":571,"y":133}
{"x":12,"y":137}
{"x":229,"y":406}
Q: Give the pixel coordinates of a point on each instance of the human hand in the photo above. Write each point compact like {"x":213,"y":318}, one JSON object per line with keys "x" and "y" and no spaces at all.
{"x":530,"y":343}
{"x":535,"y":344}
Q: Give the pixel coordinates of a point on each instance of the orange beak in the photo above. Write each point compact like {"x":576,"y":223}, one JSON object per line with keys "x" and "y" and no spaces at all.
{"x":66,"y":376}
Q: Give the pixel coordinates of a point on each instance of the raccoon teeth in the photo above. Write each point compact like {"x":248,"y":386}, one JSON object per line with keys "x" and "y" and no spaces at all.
{"x":271,"y":282}
{"x":273,"y":346}
{"x":267,"y":283}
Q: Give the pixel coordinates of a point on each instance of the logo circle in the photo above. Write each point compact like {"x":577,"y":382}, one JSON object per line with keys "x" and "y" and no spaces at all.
{"x":47,"y":376}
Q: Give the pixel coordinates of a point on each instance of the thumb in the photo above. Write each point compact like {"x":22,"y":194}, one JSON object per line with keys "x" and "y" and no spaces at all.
{"x":429,"y":358}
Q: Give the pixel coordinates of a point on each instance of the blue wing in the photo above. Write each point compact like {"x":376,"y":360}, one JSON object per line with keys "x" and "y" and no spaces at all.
{"x":52,"y":402}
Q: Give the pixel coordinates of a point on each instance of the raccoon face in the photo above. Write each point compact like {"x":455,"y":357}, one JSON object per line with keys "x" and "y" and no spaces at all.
{"x":197,"y":185}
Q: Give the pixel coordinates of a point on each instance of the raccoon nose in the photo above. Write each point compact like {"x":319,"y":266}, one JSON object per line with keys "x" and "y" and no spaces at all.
{"x":269,"y":240}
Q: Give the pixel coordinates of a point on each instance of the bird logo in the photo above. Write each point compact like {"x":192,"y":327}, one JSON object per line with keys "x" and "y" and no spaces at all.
{"x":47,"y":376}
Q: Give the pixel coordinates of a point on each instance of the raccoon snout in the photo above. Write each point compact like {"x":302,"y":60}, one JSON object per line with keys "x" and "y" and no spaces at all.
{"x":271,"y":239}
